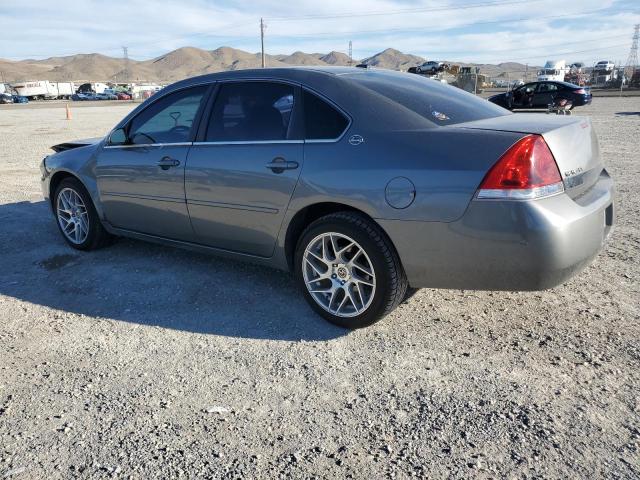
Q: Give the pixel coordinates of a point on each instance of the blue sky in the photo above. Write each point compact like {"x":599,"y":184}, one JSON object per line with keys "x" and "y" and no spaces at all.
{"x":490,"y":31}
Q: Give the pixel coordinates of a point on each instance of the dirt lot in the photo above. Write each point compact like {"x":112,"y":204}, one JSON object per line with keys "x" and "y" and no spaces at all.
{"x":139,"y":361}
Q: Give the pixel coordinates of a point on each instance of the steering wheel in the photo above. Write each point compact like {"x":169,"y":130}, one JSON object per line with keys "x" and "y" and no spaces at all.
{"x":142,"y":134}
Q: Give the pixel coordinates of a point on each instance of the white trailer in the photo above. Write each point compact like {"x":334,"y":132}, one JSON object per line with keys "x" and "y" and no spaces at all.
{"x":553,"y":70}
{"x":44,"y":89}
{"x":65,"y":89}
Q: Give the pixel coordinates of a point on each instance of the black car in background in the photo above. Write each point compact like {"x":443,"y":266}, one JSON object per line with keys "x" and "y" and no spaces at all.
{"x":542,"y":94}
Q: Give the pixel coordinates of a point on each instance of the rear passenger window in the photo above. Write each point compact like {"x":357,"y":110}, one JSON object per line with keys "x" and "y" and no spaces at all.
{"x":322,"y":121}
{"x":251,"y":111}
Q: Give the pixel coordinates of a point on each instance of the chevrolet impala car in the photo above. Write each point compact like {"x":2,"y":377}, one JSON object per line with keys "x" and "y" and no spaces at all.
{"x":366,"y":184}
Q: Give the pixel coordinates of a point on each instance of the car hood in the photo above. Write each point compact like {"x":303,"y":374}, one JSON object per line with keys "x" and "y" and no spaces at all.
{"x":61,"y":147}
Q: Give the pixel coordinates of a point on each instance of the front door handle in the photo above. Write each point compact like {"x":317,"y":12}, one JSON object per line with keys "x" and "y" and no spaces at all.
{"x":168,"y":162}
{"x":279,"y":165}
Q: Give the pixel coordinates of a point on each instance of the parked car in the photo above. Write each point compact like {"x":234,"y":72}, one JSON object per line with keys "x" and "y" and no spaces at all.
{"x":4,"y":98}
{"x":106,"y":96}
{"x":542,"y":94}
{"x":374,"y":182}
{"x":79,"y":97}
{"x":20,"y":99}
{"x":430,"y":67}
{"x":123,"y":96}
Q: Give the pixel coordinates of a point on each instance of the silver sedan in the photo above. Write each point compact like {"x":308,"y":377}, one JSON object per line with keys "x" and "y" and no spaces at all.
{"x":366,"y":184}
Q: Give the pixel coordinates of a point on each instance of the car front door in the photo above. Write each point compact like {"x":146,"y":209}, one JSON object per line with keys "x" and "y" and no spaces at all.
{"x":140,"y":171}
{"x":244,"y":167}
{"x":522,"y":96}
{"x":545,"y":94}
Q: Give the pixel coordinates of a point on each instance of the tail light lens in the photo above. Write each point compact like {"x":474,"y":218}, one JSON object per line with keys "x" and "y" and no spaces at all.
{"x":580,"y":91}
{"x":527,"y":170}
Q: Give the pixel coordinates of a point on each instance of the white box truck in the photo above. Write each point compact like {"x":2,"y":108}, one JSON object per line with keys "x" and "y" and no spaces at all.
{"x":553,"y":70}
{"x":44,"y":89}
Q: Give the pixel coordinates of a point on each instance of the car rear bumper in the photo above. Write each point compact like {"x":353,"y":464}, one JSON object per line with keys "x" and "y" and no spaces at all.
{"x":507,"y":245}
{"x":582,"y":100}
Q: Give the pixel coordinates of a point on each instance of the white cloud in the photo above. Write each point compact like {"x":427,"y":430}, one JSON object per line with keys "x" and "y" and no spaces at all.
{"x":34,"y":28}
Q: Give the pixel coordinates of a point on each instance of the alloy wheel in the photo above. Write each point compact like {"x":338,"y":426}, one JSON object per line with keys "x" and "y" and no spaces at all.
{"x":73,"y":216}
{"x":339,"y":274}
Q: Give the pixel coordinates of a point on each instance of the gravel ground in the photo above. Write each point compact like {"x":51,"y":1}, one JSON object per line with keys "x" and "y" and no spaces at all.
{"x":140,"y":361}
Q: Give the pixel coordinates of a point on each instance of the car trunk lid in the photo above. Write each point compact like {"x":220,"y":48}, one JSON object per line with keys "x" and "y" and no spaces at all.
{"x":572,"y":140}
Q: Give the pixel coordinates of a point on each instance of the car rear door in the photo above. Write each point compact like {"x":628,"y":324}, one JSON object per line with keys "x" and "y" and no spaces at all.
{"x":244,"y":167}
{"x":140,"y":174}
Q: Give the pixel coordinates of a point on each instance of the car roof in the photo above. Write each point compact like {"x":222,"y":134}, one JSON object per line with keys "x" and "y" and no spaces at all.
{"x":299,"y":74}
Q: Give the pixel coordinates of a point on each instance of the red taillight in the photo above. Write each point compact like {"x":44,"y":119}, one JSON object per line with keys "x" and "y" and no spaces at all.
{"x":580,"y":91}
{"x":526,"y":170}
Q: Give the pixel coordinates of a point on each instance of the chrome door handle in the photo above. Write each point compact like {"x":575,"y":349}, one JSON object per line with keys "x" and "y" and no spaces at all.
{"x":279,"y":165}
{"x":168,"y":162}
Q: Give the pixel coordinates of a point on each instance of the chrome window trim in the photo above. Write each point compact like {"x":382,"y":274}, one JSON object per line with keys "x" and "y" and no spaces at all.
{"x":249,"y":142}
{"x":241,"y":142}
{"x":148,"y":145}
{"x":326,"y":140}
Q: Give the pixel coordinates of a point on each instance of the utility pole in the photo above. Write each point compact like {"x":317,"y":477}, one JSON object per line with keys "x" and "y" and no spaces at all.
{"x":632,"y":60}
{"x":125,"y":54}
{"x":262,"y":27}
{"x":350,"y":52}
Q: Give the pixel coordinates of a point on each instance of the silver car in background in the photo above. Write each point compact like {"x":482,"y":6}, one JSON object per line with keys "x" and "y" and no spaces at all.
{"x":366,"y":184}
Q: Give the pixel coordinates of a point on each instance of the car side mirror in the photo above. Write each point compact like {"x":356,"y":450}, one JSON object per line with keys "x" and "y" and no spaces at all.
{"x":118,"y":137}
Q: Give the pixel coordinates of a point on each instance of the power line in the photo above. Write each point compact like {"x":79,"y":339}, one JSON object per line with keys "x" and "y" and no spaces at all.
{"x":421,"y":29}
{"x":559,"y":54}
{"x":145,"y":43}
{"x":476,"y":52}
{"x":406,"y":10}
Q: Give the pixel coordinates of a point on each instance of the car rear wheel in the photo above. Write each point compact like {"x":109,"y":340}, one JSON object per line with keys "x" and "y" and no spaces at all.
{"x":77,"y":218}
{"x":348,"y":270}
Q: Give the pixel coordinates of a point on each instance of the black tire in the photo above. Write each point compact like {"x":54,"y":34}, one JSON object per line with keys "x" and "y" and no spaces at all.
{"x":391,"y":280}
{"x":410,"y":293}
{"x":97,"y":236}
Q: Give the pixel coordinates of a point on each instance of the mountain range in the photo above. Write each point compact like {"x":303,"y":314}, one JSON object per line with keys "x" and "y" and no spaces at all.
{"x":190,"y":61}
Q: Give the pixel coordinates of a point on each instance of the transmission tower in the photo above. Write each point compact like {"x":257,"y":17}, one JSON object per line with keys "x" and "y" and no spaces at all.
{"x":125,"y":71}
{"x":632,"y":61}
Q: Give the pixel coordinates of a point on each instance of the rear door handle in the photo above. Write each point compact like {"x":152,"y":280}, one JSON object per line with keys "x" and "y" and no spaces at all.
{"x":279,"y":165}
{"x":166,"y":162}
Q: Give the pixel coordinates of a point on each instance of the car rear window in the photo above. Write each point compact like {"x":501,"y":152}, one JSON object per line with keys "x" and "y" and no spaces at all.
{"x":439,"y":103}
{"x":322,"y":121}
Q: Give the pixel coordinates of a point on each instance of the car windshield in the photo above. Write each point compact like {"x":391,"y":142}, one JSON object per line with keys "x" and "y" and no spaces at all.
{"x":439,"y":103}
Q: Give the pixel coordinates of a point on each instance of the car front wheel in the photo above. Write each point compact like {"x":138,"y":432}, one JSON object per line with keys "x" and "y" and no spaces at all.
{"x":76,"y":216}
{"x":348,"y":270}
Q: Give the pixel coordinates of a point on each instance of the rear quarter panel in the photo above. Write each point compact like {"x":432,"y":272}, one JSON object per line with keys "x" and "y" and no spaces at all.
{"x":445,"y":164}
